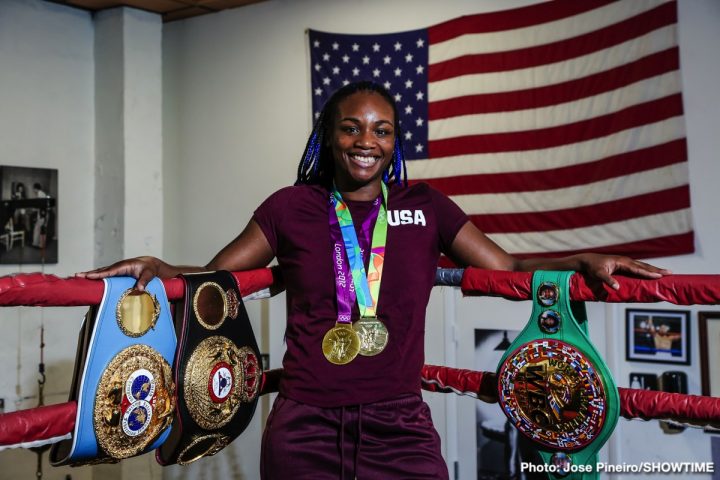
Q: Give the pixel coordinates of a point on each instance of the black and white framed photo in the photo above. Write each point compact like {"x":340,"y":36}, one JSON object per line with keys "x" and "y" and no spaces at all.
{"x":28,"y":215}
{"x":709,"y":327}
{"x":657,"y":336}
{"x":500,"y":447}
{"x":644,"y":381}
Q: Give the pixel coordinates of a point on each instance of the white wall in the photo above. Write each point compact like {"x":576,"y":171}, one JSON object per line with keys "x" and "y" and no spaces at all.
{"x":46,"y":121}
{"x":237,"y":89}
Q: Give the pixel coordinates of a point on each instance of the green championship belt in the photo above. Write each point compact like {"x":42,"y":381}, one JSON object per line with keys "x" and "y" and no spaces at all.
{"x":554,"y":386}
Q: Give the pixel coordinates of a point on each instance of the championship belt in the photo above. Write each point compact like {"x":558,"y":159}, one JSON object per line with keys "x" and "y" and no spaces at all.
{"x":122,"y":381}
{"x":554,"y":386}
{"x":217,"y":369}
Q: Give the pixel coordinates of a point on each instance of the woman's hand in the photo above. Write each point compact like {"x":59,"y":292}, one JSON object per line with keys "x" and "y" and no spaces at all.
{"x":602,"y":267}
{"x":142,"y":268}
{"x":249,"y":250}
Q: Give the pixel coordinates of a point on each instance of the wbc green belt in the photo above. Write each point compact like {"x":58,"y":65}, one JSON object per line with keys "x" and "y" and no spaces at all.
{"x":553,"y":384}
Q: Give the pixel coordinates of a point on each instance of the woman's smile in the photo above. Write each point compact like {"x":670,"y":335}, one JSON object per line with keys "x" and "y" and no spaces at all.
{"x":364,"y":160}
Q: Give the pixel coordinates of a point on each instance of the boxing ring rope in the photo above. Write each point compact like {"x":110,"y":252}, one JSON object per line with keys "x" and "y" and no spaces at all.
{"x":43,"y":425}
{"x":43,"y":290}
{"x":676,"y":289}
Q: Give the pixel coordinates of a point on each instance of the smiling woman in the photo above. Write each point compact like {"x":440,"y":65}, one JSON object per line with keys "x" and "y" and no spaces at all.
{"x":358,"y":121}
{"x":358,"y":249}
{"x":363,"y":141}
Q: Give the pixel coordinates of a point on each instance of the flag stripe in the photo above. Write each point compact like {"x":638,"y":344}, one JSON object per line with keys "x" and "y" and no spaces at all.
{"x":551,"y":74}
{"x":587,"y":108}
{"x":598,"y":236}
{"x":562,"y":50}
{"x":601,"y":213}
{"x":589,"y":194}
{"x":511,"y":19}
{"x":664,"y":246}
{"x":644,"y":136}
{"x":555,"y":136}
{"x":605,"y":81}
{"x":577,"y":174}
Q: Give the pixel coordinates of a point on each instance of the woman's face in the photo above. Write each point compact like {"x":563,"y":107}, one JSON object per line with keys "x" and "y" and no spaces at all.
{"x":363,"y":138}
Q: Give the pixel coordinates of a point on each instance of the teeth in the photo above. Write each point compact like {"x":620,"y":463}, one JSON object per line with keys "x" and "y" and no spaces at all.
{"x":365,"y":160}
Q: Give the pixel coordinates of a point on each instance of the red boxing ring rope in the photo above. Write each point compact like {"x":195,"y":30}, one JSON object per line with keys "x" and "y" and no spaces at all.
{"x":41,"y":290}
{"x":36,"y":289}
{"x":42,"y":425}
{"x":677,"y":289}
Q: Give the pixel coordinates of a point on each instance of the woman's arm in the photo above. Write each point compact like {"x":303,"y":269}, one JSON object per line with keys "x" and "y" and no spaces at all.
{"x":472,"y":248}
{"x":248,"y":250}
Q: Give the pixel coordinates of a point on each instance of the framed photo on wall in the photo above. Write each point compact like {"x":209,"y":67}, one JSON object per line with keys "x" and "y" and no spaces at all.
{"x":709,"y":328}
{"x":500,"y":448}
{"x":657,"y":336}
{"x":28,"y":215}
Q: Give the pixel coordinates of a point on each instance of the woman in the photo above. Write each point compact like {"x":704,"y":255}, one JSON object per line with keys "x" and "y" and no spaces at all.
{"x":20,"y":221}
{"x":349,"y":403}
{"x":18,"y":191}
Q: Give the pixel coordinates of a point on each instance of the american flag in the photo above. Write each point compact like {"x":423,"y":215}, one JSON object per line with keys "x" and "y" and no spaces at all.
{"x":557,"y":127}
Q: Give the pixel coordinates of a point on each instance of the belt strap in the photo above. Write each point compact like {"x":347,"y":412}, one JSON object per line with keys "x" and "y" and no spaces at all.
{"x":122,"y":380}
{"x":217,"y":369}
{"x":554,"y":386}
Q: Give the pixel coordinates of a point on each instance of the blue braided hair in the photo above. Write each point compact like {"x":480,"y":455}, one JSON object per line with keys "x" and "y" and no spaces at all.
{"x":317,"y":166}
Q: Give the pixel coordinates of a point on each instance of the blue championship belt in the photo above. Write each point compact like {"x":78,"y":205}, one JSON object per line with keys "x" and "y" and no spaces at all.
{"x":123,"y":376}
{"x":217,"y":369}
{"x":554,"y":386}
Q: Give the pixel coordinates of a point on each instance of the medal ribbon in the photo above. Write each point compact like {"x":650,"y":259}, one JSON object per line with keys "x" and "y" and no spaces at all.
{"x":365,"y":286}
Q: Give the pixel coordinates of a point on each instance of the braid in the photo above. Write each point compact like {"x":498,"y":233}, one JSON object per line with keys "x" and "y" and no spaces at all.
{"x":316,"y":164}
{"x":309,"y":164}
{"x":399,"y":168}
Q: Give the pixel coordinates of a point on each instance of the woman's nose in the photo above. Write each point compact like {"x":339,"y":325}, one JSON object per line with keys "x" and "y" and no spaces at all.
{"x":364,"y":140}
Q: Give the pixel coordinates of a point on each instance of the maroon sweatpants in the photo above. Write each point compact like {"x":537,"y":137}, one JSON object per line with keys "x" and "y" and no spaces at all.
{"x":380,"y":441}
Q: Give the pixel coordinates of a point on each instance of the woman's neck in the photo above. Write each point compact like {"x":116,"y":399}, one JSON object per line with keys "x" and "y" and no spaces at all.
{"x":367,"y":192}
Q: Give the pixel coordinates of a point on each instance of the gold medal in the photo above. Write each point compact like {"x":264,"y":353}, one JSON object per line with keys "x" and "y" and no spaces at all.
{"x":341,"y":344}
{"x":373,"y":335}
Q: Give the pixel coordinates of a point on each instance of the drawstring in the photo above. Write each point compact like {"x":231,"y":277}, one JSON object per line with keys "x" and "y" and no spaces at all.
{"x":358,"y":442}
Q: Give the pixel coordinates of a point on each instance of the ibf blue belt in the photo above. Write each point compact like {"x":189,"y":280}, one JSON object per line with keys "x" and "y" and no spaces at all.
{"x":554,"y":386}
{"x":217,"y":369}
{"x":123,"y":376}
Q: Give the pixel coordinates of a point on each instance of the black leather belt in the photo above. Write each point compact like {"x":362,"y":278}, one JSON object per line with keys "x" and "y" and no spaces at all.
{"x":217,"y":369}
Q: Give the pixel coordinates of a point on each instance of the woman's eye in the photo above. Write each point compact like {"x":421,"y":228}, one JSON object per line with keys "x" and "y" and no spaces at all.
{"x":349,"y":129}
{"x":383,"y":133}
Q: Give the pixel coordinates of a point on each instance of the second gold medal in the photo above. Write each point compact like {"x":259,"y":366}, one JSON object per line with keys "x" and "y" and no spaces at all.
{"x":373,"y":335}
